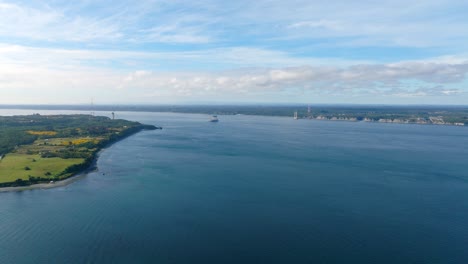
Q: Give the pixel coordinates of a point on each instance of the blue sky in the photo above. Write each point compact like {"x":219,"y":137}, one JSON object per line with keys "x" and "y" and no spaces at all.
{"x":264,"y":51}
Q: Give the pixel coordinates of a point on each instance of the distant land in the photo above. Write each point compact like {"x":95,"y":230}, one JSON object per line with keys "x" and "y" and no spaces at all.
{"x":411,"y":114}
{"x":47,"y":148}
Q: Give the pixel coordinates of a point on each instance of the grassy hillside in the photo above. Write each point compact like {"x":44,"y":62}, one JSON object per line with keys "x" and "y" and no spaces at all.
{"x":37,"y":148}
{"x":20,"y":166}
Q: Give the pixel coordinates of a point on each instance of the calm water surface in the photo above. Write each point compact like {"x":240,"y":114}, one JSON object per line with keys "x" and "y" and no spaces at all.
{"x":253,"y":189}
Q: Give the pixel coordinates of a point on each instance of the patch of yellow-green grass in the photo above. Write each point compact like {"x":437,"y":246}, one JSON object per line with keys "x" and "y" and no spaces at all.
{"x":34,"y":149}
{"x":66,"y":141}
{"x":12,"y":166}
{"x":42,"y":133}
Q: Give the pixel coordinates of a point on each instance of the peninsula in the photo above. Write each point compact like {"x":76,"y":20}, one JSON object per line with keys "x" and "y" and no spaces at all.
{"x":44,"y":149}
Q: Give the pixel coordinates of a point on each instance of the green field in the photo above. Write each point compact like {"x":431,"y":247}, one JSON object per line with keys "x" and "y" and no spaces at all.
{"x":38,"y":149}
{"x":12,"y":166}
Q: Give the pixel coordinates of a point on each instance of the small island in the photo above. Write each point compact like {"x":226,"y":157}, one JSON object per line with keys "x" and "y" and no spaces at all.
{"x":37,"y":149}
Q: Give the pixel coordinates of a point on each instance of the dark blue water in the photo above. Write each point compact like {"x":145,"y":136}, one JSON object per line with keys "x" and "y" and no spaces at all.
{"x":254,"y":190}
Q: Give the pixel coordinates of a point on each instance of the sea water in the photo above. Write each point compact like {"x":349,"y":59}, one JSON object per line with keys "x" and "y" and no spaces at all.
{"x":253,"y":189}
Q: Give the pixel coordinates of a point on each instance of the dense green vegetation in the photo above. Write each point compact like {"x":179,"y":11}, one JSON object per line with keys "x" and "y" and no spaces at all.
{"x":37,"y":148}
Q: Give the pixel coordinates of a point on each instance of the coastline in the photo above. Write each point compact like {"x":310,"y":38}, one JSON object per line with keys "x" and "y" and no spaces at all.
{"x":61,"y":183}
{"x":80,"y":175}
{"x":430,"y":115}
{"x":385,"y":121}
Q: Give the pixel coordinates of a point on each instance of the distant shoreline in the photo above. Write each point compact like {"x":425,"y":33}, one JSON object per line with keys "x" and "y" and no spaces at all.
{"x":384,"y":120}
{"x":401,"y":114}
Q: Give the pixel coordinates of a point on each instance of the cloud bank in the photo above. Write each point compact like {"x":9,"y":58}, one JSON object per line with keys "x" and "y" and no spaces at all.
{"x":64,"y":75}
{"x":398,"y":79}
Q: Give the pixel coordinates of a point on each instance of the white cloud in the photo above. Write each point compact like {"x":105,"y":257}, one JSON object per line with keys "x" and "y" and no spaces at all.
{"x":387,"y":79}
{"x":386,"y":23}
{"x":181,"y":28}
{"x":175,"y":34}
{"x":397,"y":23}
{"x":53,"y":25}
{"x":62,"y":75}
{"x":234,"y":57}
{"x":438,"y":90}
{"x":320,"y":24}
{"x":119,"y":22}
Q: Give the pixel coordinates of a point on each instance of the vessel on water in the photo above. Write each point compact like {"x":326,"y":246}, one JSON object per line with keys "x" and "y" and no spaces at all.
{"x":295,"y":116}
{"x":214,"y":119}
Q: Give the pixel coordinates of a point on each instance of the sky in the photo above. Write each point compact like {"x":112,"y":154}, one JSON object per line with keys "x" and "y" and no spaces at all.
{"x":211,"y":51}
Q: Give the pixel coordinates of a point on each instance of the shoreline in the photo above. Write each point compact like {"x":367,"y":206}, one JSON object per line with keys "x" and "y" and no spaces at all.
{"x":61,"y":183}
{"x":318,"y":117}
{"x":386,"y":122}
{"x":44,"y":186}
{"x":92,"y":168}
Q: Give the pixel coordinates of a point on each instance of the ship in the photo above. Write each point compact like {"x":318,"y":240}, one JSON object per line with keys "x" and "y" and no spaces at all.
{"x":214,"y":119}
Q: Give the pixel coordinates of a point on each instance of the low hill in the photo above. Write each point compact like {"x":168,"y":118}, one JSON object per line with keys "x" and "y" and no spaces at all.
{"x":36,"y":148}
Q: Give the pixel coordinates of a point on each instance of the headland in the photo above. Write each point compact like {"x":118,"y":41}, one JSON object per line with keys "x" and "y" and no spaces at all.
{"x":47,"y":151}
